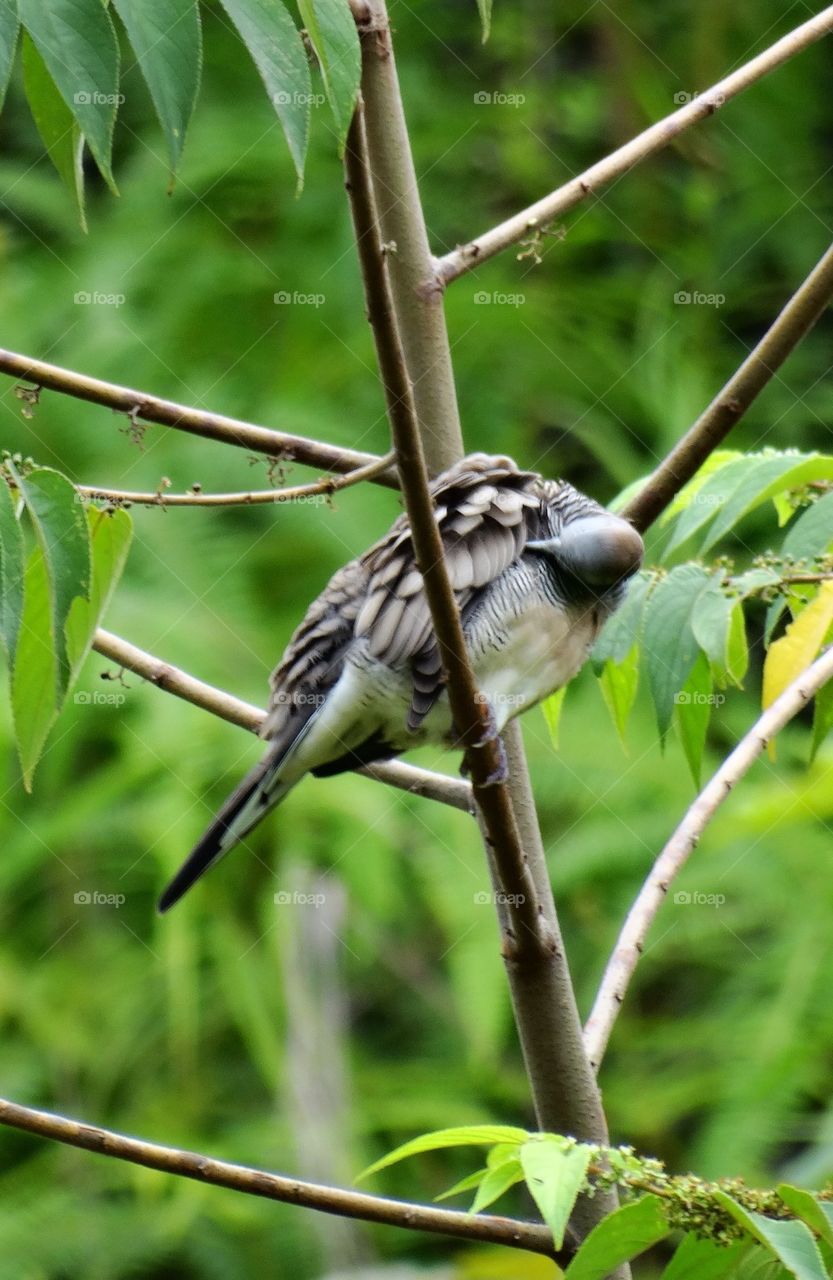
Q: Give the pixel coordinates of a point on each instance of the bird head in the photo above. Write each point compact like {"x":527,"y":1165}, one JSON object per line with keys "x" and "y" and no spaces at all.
{"x":600,"y":550}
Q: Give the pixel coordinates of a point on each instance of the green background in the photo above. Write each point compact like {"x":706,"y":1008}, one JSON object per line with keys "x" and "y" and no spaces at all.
{"x":309,"y":1039}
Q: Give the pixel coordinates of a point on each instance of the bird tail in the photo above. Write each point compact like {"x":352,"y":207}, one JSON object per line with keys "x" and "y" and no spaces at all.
{"x":257,"y":794}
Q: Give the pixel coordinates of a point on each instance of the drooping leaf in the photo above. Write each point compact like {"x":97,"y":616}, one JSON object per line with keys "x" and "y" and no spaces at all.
{"x":54,"y":122}
{"x":619,"y":682}
{"x":812,"y":533}
{"x":719,"y":629}
{"x":797,"y":648}
{"x":77,"y":42}
{"x":818,"y":1214}
{"x":332,"y":29}
{"x":497,"y":1181}
{"x":791,"y":1242}
{"x":63,"y":535}
{"x":110,"y":535}
{"x":166,"y":38}
{"x":697,"y":1258}
{"x":694,"y":709}
{"x":555,"y":1171}
{"x":9,"y":28}
{"x":551,"y":708}
{"x":472,"y":1135}
{"x":34,"y":698}
{"x":669,"y":646}
{"x":623,"y":629}
{"x":277,"y":51}
{"x":11,"y":573}
{"x":620,"y":1236}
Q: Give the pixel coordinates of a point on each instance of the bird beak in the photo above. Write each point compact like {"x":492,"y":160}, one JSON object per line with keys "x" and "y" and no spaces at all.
{"x":599,"y":550}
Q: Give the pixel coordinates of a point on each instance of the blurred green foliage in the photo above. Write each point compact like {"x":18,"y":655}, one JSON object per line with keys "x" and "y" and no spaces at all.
{"x":207,"y":1029}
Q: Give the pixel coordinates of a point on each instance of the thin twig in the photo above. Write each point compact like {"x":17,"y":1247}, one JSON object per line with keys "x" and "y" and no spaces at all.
{"x":539,"y":215}
{"x":141,"y":407}
{"x":534,"y":1237}
{"x":324,"y":487}
{"x":799,"y":315}
{"x":631,"y":941}
{"x":405,"y":777}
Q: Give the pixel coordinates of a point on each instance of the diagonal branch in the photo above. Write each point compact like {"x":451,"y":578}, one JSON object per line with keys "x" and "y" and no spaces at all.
{"x":655,"y":138}
{"x":531,"y":1236}
{"x":325,"y":487}
{"x":673,"y":857}
{"x":141,"y":407}
{"x":406,"y":777}
{"x":799,"y":315}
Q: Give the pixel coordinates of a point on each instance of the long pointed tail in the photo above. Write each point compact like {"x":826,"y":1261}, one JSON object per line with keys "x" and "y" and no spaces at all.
{"x":257,"y":794}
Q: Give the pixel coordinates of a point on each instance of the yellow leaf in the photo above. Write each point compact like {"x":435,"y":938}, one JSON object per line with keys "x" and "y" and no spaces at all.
{"x":793,"y":653}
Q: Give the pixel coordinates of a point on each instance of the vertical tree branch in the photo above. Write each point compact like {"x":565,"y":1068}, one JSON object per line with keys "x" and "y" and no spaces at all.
{"x":564,"y":1089}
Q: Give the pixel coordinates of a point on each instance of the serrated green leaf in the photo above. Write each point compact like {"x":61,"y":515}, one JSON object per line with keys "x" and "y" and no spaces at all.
{"x":277,"y":51}
{"x":790,"y":1242}
{"x":551,"y":708}
{"x":706,"y":502}
{"x":623,"y":629}
{"x":77,"y":42}
{"x":818,"y":1214}
{"x":669,"y":647}
{"x":694,"y":709}
{"x":110,"y":536}
{"x":54,"y":122}
{"x":64,"y":538}
{"x":166,"y":39}
{"x":697,"y":1258}
{"x":9,"y":28}
{"x":620,"y":1236}
{"x":496,"y":1182}
{"x":11,"y":573}
{"x":34,"y":699}
{"x":472,"y":1135}
{"x":555,"y":1172}
{"x":332,"y":29}
{"x":812,"y":533}
{"x":619,"y":682}
{"x":763,"y":479}
{"x":719,"y":629}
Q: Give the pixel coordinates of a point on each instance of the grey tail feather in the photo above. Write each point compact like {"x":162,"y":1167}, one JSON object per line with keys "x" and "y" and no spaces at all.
{"x":243,"y":810}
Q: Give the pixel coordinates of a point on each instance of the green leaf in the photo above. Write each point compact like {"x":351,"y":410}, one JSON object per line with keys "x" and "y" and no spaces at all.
{"x":620,"y":1236}
{"x":812,"y":533}
{"x":166,"y":38}
{"x":11,"y":573}
{"x":110,"y":535}
{"x":719,"y":629}
{"x":551,"y":708}
{"x":694,"y":709}
{"x":619,"y":682}
{"x":332,"y":29}
{"x":791,"y":1242}
{"x":623,"y":629}
{"x":669,"y":646}
{"x":709,"y":498}
{"x":555,"y":1171}
{"x":496,"y":1182}
{"x":9,"y":27}
{"x":484,"y":8}
{"x":699,"y":1259}
{"x":277,"y":50}
{"x":798,"y":647}
{"x":468,"y":1183}
{"x":63,"y":535}
{"x":737,"y":663}
{"x":472,"y":1135}
{"x":822,"y":717}
{"x":54,"y":122}
{"x":715,"y":462}
{"x":34,"y":699}
{"x":764,"y":477}
{"x":77,"y":42}
{"x":818,"y":1214}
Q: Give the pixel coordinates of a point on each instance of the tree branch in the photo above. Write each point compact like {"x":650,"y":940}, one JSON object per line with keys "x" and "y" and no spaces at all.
{"x":532,"y":1236}
{"x":326,"y":487}
{"x":655,"y":138}
{"x":406,"y":777}
{"x":630,"y":943}
{"x":141,"y":407}
{"x":564,"y":1091}
{"x":799,"y":315}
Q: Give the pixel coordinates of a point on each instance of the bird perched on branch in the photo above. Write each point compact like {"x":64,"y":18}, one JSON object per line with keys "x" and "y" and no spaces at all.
{"x":536,"y":568}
